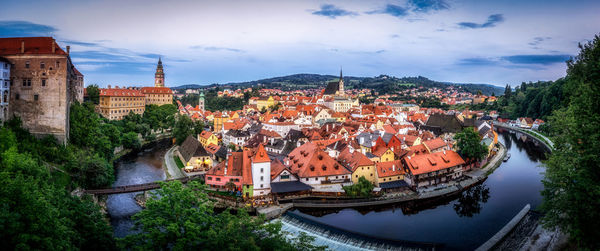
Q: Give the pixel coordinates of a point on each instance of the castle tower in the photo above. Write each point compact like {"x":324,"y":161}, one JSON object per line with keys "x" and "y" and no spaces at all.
{"x":159,"y":76}
{"x":201,"y":101}
{"x":341,"y":84}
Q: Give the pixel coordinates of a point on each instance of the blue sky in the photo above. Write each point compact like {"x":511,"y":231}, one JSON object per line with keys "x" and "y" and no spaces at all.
{"x":204,"y":42}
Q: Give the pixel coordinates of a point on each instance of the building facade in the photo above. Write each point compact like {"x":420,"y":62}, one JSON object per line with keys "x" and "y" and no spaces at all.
{"x":116,"y":103}
{"x":4,"y":88}
{"x":158,"y":95}
{"x":43,"y":84}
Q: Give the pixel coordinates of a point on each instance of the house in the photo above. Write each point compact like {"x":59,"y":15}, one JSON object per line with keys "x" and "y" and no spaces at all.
{"x":237,"y":138}
{"x":525,"y":122}
{"x":433,"y":168}
{"x":193,"y":155}
{"x":244,"y":171}
{"x":390,"y":176}
{"x":216,"y":152}
{"x":284,"y":182}
{"x":206,"y":138}
{"x":383,"y":154}
{"x":315,"y":167}
{"x":359,"y":164}
{"x":436,"y":145}
{"x":537,"y":123}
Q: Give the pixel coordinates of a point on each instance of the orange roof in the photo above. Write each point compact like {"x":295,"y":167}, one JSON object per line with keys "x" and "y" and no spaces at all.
{"x":354,"y":160}
{"x":33,"y":45}
{"x":114,"y":92}
{"x":212,"y":148}
{"x":378,"y":151}
{"x":390,"y":168}
{"x":261,"y":155}
{"x":156,"y":90}
{"x":309,"y":160}
{"x":426,"y":163}
{"x":435,"y":144}
{"x":247,"y":168}
{"x":205,"y":134}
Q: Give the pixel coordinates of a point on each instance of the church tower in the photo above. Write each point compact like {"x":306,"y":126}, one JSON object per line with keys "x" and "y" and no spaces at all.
{"x":159,"y":76}
{"x":201,"y":101}
{"x":341,"y":84}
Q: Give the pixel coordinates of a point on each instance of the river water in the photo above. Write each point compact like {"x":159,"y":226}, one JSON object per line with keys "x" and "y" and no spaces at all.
{"x":460,"y":223}
{"x":138,"y":168}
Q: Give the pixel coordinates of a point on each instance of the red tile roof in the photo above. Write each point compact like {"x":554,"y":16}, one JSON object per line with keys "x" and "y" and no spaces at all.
{"x":156,"y":90}
{"x":435,"y":144}
{"x":390,"y":168}
{"x":206,"y":134}
{"x":354,"y":160}
{"x":261,"y":155}
{"x":309,"y":160}
{"x":114,"y":92}
{"x":33,"y":45}
{"x":426,"y":163}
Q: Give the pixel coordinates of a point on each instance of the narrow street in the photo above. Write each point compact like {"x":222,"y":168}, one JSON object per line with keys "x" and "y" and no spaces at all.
{"x":173,"y":172}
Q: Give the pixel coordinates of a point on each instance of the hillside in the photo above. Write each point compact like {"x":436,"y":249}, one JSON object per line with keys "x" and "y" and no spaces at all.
{"x":381,"y":83}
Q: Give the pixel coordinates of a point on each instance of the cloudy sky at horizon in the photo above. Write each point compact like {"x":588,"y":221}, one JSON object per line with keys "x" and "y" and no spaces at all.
{"x":204,"y":42}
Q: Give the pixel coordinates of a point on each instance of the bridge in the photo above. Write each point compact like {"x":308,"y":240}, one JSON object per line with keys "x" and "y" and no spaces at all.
{"x":139,"y":187}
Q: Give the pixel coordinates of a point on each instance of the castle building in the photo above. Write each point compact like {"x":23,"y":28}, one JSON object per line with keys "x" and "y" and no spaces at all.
{"x":159,"y":76}
{"x":158,"y":95}
{"x":4,"y":88}
{"x":43,"y":84}
{"x":116,"y":103}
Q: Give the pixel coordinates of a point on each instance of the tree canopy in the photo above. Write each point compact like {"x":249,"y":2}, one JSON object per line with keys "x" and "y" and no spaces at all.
{"x":469,"y":144}
{"x":572,"y":180}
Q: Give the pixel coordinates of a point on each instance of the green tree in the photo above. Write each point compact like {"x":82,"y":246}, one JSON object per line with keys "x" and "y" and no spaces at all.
{"x":93,"y":93}
{"x":183,"y":128}
{"x":89,"y":170}
{"x":469,"y":145}
{"x":572,"y":179}
{"x":131,"y":140}
{"x":361,"y":189}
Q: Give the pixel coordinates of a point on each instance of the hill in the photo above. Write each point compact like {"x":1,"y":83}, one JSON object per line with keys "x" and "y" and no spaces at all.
{"x":381,"y":83}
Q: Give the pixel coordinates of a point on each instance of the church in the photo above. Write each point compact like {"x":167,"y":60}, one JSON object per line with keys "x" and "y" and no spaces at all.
{"x":335,"y":96}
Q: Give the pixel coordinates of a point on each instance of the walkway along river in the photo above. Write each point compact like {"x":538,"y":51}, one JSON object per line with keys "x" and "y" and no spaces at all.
{"x":462,"y":222}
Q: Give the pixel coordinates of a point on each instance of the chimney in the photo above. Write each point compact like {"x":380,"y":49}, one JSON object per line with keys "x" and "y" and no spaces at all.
{"x":53,"y":46}
{"x":393,"y":167}
{"x":68,"y":50}
{"x":22,"y":46}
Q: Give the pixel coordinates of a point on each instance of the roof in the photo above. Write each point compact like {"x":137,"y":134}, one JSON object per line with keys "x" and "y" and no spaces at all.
{"x":156,"y":90}
{"x":332,"y":88}
{"x":389,"y":168}
{"x":261,"y":155}
{"x":190,"y":148}
{"x":434,"y":144}
{"x":447,"y":123}
{"x":33,"y":45}
{"x":117,"y":92}
{"x":309,"y":160}
{"x":354,"y":160}
{"x":289,"y":186}
{"x":426,"y":163}
{"x":205,"y":134}
{"x":393,"y":184}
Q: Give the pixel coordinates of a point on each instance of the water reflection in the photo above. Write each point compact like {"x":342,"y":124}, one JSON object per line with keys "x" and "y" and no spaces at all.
{"x":470,"y":201}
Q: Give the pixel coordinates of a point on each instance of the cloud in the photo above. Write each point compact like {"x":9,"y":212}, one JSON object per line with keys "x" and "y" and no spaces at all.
{"x":25,"y":29}
{"x":215,"y":48}
{"x":428,"y":5}
{"x":80,"y":43}
{"x":391,"y":9}
{"x":331,"y":11}
{"x":537,"y":59}
{"x":491,"y":22}
{"x":477,"y":61}
{"x":537,"y":41}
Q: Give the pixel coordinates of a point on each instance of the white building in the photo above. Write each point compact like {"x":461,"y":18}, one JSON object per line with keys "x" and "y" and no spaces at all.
{"x":4,"y":88}
{"x":261,"y":172}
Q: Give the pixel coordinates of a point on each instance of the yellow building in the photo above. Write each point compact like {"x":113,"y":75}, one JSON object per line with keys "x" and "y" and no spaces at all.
{"x":206,"y":138}
{"x":264,"y":102}
{"x":117,"y":103}
{"x":218,"y":121}
{"x":360,"y":165}
{"x":389,"y":171}
{"x":384,"y":154}
{"x":158,"y":95}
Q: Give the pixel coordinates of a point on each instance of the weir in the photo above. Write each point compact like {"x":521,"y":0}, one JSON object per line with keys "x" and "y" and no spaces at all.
{"x":338,"y":239}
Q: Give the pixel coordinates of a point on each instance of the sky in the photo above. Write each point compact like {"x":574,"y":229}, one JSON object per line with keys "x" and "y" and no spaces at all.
{"x":204,"y":42}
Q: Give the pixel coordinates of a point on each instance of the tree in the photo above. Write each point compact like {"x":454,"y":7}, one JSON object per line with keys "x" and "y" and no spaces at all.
{"x":131,"y":141}
{"x":361,"y":189}
{"x":572,"y":179}
{"x":89,"y":170}
{"x":183,"y":128}
{"x":469,"y":145}
{"x":180,"y":217}
{"x":93,"y":93}
{"x":507,"y":91}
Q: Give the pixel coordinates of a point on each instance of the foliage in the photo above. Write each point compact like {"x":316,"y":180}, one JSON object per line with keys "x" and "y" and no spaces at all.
{"x":183,"y":128}
{"x":178,"y":162}
{"x":93,"y":93}
{"x":180,"y":217}
{"x":212,"y":102}
{"x":131,"y":141}
{"x":37,"y":213}
{"x":89,"y":170}
{"x":469,"y":144}
{"x":572,"y":180}
{"x":160,"y":117}
{"x":361,"y":189}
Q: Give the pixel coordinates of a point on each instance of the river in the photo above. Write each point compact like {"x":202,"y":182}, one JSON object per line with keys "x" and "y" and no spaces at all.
{"x":460,"y":223}
{"x":137,"y":168}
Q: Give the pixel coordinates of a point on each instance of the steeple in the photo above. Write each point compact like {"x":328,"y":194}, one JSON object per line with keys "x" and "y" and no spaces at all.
{"x":341,"y":84}
{"x":159,"y":76}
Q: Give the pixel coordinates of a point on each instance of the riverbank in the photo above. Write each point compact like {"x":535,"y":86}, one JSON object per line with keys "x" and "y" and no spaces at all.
{"x":539,"y":137}
{"x":171,"y":169}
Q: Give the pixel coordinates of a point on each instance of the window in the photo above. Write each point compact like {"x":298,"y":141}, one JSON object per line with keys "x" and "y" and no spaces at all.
{"x":17,"y":96}
{"x":261,"y":186}
{"x":43,"y":82}
{"x":262,"y":170}
{"x":35,"y":97}
{"x":209,"y":178}
{"x":218,"y":179}
{"x":42,"y":65}
{"x":262,"y":178}
{"x":27,"y":64}
{"x":57,"y":64}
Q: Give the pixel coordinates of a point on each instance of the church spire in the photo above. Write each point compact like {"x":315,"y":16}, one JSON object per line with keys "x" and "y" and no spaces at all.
{"x":341,"y":84}
{"x":159,"y":76}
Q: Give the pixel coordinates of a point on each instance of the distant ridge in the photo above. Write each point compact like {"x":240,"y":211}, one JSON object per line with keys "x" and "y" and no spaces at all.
{"x":381,"y":83}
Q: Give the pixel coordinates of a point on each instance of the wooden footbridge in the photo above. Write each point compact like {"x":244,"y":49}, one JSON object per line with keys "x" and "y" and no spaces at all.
{"x":139,"y":187}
